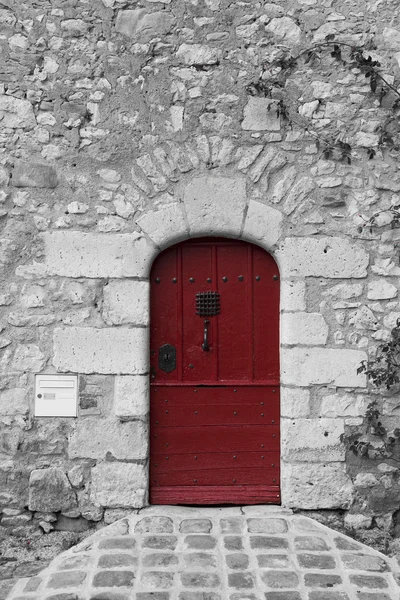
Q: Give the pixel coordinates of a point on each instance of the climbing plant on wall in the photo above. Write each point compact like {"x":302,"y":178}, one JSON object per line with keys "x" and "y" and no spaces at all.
{"x":272,"y":84}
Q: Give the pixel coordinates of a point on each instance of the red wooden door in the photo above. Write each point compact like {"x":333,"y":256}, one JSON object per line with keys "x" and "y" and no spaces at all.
{"x":214,"y":402}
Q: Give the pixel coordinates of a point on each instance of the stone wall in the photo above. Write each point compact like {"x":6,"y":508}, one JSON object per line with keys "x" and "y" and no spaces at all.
{"x":127,"y":126}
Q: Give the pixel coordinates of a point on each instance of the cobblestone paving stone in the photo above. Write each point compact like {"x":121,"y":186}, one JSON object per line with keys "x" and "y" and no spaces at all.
{"x":247,"y":553}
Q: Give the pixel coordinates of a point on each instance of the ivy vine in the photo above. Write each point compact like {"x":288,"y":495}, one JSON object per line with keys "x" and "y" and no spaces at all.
{"x":332,"y":147}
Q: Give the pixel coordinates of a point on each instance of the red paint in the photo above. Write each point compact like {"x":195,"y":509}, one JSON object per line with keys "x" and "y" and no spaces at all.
{"x":215,"y":418}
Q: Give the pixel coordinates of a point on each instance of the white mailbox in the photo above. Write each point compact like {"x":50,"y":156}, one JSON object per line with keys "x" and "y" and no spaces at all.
{"x":56,"y":395}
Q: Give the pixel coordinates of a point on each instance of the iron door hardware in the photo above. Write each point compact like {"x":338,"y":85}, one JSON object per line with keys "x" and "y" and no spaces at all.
{"x":205,"y":345}
{"x":167,"y":358}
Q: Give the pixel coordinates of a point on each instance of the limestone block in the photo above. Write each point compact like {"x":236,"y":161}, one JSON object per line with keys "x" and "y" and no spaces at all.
{"x":198,"y":54}
{"x":316,"y":486}
{"x":314,"y":440}
{"x":365,"y":480}
{"x":131,"y":396}
{"x":309,"y":329}
{"x":345,"y":291}
{"x":96,"y":437}
{"x":297,"y":194}
{"x":295,"y":402}
{"x":34,"y":175}
{"x":108,"y":351}
{"x":293,"y":295}
{"x":364,"y":318}
{"x":263,"y":224}
{"x":126,"y":301}
{"x":330,"y":257}
{"x":260,"y":115}
{"x":74,"y":27}
{"x":347,"y":405}
{"x":215,"y":205}
{"x":357,"y":521}
{"x":77,"y":254}
{"x":381,"y":290}
{"x":50,"y":491}
{"x":308,"y":366}
{"x":285,"y":30}
{"x":14,"y":402}
{"x":33,"y":296}
{"x":16,"y":113}
{"x":142,"y":26}
{"x":391,"y":38}
{"x":366,"y":140}
{"x":119,"y":485}
{"x":28,"y":359}
{"x":164,"y":225}
{"x":284,"y":184}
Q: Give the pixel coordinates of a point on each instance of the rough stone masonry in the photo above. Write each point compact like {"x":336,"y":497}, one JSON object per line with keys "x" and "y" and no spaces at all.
{"x":126,"y":126}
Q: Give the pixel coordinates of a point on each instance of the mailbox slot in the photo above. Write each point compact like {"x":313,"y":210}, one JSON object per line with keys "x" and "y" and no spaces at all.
{"x":56,"y":395}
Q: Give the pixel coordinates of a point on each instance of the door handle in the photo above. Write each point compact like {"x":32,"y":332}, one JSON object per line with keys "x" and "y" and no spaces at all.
{"x":205,"y":345}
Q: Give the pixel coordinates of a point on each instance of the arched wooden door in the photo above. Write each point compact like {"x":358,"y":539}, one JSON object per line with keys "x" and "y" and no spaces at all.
{"x":214,"y":399}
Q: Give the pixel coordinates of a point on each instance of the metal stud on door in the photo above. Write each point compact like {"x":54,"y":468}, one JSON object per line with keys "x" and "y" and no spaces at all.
{"x":215,"y":374}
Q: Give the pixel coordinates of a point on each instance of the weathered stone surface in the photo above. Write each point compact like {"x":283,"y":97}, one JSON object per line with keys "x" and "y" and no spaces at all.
{"x":200,"y":542}
{"x":309,"y":329}
{"x":16,"y":113}
{"x":131,"y":396}
{"x":307,"y":366}
{"x":307,"y":485}
{"x":295,"y":402}
{"x":314,"y":440}
{"x":28,"y":359}
{"x":215,"y":205}
{"x":77,"y":254}
{"x":391,"y":38}
{"x":195,"y":526}
{"x":96,"y":437}
{"x":14,"y":402}
{"x":330,"y":257}
{"x":263,"y":224}
{"x":259,"y":525}
{"x":90,"y":350}
{"x":293,"y":295}
{"x":165,"y":225}
{"x":285,"y":30}
{"x":117,"y":485}
{"x":260,"y":115}
{"x":197,"y":54}
{"x":126,"y":301}
{"x":347,"y":405}
{"x":34,"y":175}
{"x":111,"y":579}
{"x":50,"y":491}
{"x":381,"y":290}
{"x":297,"y":194}
{"x":76,"y":525}
{"x":364,"y":318}
{"x":141,"y":26}
{"x":155,"y":525}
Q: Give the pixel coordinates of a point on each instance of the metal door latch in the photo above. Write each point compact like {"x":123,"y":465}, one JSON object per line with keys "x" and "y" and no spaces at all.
{"x":205,"y":345}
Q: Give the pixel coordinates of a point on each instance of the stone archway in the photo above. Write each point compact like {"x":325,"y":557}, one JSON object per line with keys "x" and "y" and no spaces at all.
{"x":313,"y":470}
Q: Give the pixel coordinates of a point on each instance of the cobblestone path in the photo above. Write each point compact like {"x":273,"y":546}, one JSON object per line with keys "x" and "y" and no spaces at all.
{"x":248,"y":553}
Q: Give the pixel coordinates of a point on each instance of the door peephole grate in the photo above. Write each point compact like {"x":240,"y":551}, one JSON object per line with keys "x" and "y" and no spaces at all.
{"x":207,"y":304}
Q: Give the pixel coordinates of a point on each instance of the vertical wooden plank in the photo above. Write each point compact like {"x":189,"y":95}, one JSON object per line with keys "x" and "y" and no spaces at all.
{"x":179,"y":324}
{"x":233,"y":344}
{"x":197,"y":266}
{"x":214,"y":261}
{"x":266,"y":316}
{"x":163,"y":310}
{"x":250,"y":303}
